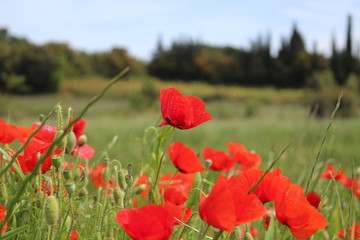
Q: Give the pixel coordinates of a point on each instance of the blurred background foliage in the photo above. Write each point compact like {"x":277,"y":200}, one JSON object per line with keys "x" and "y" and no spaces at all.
{"x":26,"y":68}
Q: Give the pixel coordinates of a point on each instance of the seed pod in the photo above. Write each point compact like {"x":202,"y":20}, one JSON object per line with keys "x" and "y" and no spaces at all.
{"x":51,"y":210}
{"x":70,"y":142}
{"x":70,"y":186}
{"x":67,"y":173}
{"x":56,"y":161}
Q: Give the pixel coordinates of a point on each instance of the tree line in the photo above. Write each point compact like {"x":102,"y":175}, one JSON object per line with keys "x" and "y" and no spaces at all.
{"x":293,"y":67}
{"x":30,"y":68}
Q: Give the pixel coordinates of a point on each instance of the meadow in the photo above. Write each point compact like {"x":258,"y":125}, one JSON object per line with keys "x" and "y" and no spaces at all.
{"x":265,"y":120}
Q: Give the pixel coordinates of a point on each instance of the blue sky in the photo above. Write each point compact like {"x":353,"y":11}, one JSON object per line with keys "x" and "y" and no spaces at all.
{"x":99,"y":25}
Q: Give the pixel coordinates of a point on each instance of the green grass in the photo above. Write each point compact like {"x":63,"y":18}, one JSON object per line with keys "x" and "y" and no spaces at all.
{"x":264,"y":120}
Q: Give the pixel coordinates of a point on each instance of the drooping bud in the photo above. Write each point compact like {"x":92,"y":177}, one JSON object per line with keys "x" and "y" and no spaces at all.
{"x":83,"y":192}
{"x":70,"y":142}
{"x":119,"y":196}
{"x":70,"y":186}
{"x":106,"y":174}
{"x":41,"y":117}
{"x":51,"y":210}
{"x":122,"y":178}
{"x":235,"y":235}
{"x":82,"y":140}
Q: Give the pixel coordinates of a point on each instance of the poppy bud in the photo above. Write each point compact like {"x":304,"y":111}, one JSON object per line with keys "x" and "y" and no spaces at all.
{"x":83,"y":192}
{"x":121,"y":178}
{"x":248,"y":236}
{"x":41,"y":117}
{"x":70,"y":142}
{"x":130,"y":169}
{"x":62,"y":142}
{"x":208,"y":163}
{"x":56,"y":161}
{"x":82,"y":140}
{"x":129,"y":179}
{"x":106,"y":174}
{"x":235,"y":235}
{"x":119,"y":196}
{"x":51,"y":210}
{"x":3,"y":193}
{"x":140,"y":189}
{"x":70,"y":186}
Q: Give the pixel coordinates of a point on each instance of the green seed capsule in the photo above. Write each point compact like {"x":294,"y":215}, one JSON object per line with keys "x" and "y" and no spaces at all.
{"x":121,"y":178}
{"x":51,"y":210}
{"x":70,"y":186}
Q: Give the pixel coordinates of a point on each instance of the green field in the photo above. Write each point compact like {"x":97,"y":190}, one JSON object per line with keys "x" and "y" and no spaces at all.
{"x":264,"y":120}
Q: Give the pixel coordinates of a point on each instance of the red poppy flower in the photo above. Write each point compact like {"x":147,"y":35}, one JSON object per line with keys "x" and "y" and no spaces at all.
{"x":73,"y":235}
{"x":271,"y":188}
{"x":83,"y":151}
{"x":298,"y":214}
{"x":332,"y":173}
{"x":149,"y":222}
{"x":220,"y":160}
{"x":179,"y":213}
{"x":97,"y":177}
{"x":247,"y":160}
{"x":2,"y":218}
{"x":353,"y":233}
{"x":313,"y":198}
{"x":37,"y":146}
{"x":8,"y":132}
{"x":175,"y":189}
{"x":353,"y":185}
{"x":181,"y":111}
{"x":184,"y":158}
{"x":228,"y":205}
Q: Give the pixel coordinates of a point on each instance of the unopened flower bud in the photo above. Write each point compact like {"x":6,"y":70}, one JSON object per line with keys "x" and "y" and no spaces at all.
{"x":139,"y":189}
{"x":56,"y":161}
{"x":83,"y":192}
{"x":82,"y":140}
{"x":248,"y":236}
{"x":130,"y":169}
{"x":70,"y":186}
{"x":51,"y":210}
{"x":129,"y":179}
{"x":70,"y":142}
{"x":119,"y":196}
{"x":121,"y":178}
{"x":106,"y":174}
{"x":208,"y":163}
{"x":60,"y":142}
{"x":357,"y":171}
